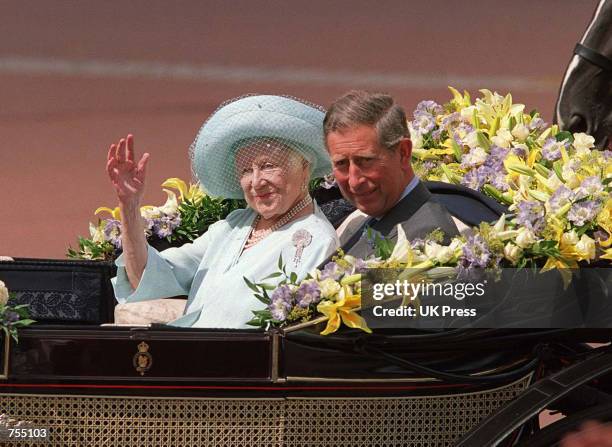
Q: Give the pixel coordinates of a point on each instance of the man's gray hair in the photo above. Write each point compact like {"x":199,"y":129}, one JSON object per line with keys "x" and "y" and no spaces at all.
{"x":378,"y":110}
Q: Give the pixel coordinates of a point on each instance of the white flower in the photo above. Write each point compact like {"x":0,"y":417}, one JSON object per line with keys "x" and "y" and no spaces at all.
{"x":572,"y":180}
{"x":520,"y":132}
{"x":475,"y":157}
{"x":499,"y":225}
{"x":583,"y":143}
{"x":503,"y":138}
{"x":150,"y":212}
{"x":513,"y":252}
{"x":97,"y":233}
{"x":329,"y":288}
{"x":467,"y":113}
{"x":402,"y":250}
{"x":4,"y":294}
{"x":569,"y":238}
{"x":525,"y":238}
{"x":170,"y":208}
{"x":471,"y":139}
{"x":585,"y":248}
{"x":415,"y":137}
{"x":438,"y":253}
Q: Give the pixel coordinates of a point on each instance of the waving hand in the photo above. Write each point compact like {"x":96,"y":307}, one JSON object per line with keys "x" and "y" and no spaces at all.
{"x":127,"y":175}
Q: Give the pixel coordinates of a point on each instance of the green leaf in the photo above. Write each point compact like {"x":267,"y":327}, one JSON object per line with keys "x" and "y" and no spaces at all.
{"x":266,"y":286}
{"x":280,"y":262}
{"x":264,"y":300}
{"x":257,"y":322}
{"x":483,"y":141}
{"x":558,"y":168}
{"x":511,"y":123}
{"x":251,"y":286}
{"x":293,"y":277}
{"x":274,"y":275}
{"x":564,"y":135}
{"x":24,"y":322}
{"x":456,"y":150}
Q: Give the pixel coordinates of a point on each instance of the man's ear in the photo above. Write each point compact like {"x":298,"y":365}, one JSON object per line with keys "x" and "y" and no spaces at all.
{"x":405,"y":151}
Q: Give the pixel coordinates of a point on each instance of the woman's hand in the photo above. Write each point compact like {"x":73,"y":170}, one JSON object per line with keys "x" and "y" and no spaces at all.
{"x":128,"y":178}
{"x":126,"y":175}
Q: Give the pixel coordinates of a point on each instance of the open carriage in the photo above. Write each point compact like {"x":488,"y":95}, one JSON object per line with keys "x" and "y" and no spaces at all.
{"x":88,"y":383}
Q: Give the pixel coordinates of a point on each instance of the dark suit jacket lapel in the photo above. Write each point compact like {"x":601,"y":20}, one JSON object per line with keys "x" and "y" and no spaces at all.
{"x":403,"y":211}
{"x":387,"y":226}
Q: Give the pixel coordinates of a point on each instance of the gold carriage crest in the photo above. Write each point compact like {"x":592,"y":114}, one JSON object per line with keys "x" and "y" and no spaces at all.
{"x":142,"y":359}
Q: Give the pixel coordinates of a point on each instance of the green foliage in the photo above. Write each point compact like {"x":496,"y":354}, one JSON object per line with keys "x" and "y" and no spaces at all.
{"x":88,"y":249}
{"x":14,"y":317}
{"x":197,"y":216}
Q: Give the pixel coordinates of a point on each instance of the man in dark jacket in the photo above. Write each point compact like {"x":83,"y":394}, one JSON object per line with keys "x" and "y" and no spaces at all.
{"x":368,"y":141}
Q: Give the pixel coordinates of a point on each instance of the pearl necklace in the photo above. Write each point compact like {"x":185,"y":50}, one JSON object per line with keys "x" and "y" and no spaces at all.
{"x":256,"y":236}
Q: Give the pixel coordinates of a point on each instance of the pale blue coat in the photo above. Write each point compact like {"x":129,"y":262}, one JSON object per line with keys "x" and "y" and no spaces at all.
{"x":210,"y":270}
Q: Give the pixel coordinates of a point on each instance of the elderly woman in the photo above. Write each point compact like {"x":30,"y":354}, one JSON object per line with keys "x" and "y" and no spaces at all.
{"x":264,"y":149}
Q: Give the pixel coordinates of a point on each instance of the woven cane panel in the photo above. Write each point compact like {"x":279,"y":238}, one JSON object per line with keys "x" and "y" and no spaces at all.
{"x":416,"y":421}
{"x":112,"y":421}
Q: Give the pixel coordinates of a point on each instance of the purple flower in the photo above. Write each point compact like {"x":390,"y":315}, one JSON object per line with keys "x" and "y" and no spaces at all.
{"x":437,"y":134}
{"x":562,"y":196}
{"x":164,"y":226}
{"x":112,"y":232}
{"x":496,"y":157}
{"x":360,"y":266}
{"x":589,"y":186}
{"x":476,"y":254}
{"x":281,"y":302}
{"x":423,"y":122}
{"x":428,"y":165}
{"x":331,"y":270}
{"x":11,"y":317}
{"x":308,"y":293}
{"x":582,"y":212}
{"x":531,"y":215}
{"x":607,"y":154}
{"x":537,"y":124}
{"x":600,"y":235}
{"x":551,"y":150}
{"x":476,"y":178}
{"x":520,"y":152}
{"x":282,"y":293}
{"x":430,"y":107}
{"x":498,"y":180}
{"x":449,"y":120}
{"x":279,"y":310}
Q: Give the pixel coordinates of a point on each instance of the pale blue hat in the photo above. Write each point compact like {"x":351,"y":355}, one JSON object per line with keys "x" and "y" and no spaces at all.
{"x":295,"y":123}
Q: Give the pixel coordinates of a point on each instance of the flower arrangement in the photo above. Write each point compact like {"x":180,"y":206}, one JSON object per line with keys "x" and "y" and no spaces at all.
{"x":180,"y":219}
{"x":556,"y":184}
{"x":12,"y":317}
{"x":334,"y":292}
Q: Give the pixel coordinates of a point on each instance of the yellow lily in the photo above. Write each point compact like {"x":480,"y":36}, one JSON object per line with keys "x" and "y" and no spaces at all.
{"x":193,"y":193}
{"x":604,"y":220}
{"x":608,"y":254}
{"x":343,"y":310}
{"x":563,"y":267}
{"x":114,"y":212}
{"x":515,"y":164}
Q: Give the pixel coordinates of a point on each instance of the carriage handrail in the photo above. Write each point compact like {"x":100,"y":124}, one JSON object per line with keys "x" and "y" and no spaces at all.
{"x":495,"y":428}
